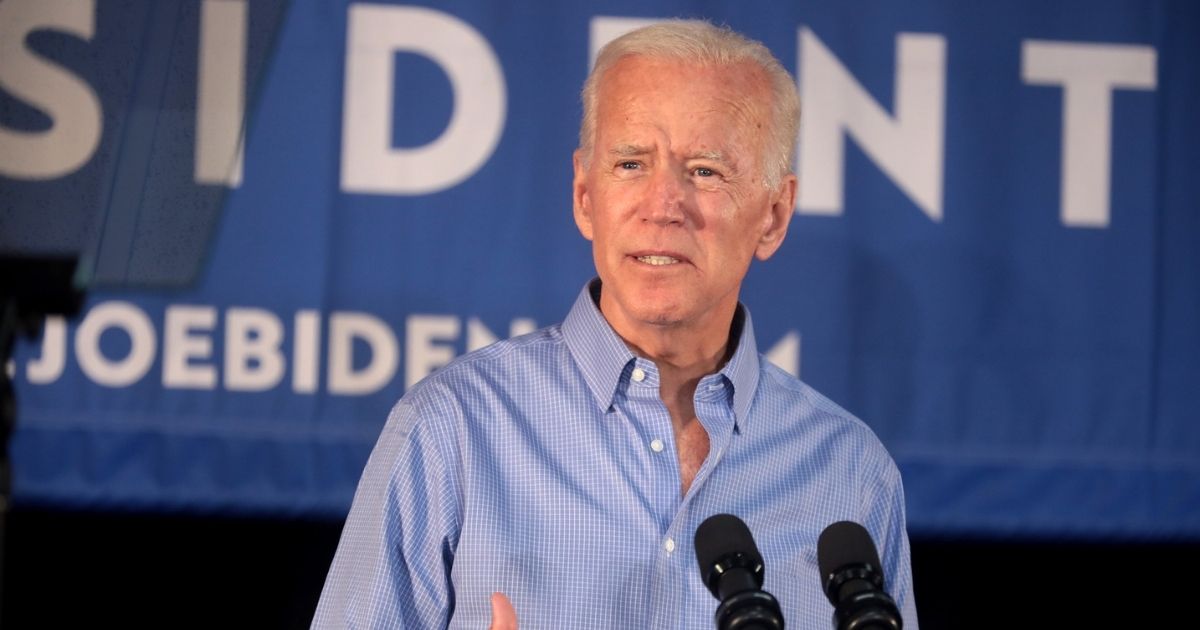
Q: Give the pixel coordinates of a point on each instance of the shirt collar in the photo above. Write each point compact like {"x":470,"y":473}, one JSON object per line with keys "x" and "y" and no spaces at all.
{"x":602,"y":356}
{"x":742,"y":370}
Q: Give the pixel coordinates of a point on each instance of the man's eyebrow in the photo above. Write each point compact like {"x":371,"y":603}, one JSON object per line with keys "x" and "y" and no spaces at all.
{"x":629,"y":150}
{"x":634,"y":150}
{"x":712,"y":156}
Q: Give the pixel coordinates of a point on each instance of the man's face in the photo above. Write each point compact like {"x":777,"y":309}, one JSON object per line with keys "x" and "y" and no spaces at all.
{"x":672,"y":194}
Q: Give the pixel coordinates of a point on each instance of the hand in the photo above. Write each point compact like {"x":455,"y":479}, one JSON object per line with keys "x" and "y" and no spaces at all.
{"x":503,"y":615}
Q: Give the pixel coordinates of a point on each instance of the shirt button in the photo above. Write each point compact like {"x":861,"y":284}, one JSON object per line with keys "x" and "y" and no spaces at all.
{"x":656,"y":445}
{"x":669,"y":545}
{"x":638,"y":375}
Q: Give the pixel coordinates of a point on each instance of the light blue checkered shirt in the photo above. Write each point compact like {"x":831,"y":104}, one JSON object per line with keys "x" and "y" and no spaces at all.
{"x":545,"y":467}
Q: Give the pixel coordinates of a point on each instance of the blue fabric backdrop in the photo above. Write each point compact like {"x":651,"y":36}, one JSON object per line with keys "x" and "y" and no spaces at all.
{"x":994,"y":260}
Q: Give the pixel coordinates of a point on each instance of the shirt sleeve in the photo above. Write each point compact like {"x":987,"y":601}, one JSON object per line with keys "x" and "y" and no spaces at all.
{"x":885,"y":519}
{"x":393,"y":562}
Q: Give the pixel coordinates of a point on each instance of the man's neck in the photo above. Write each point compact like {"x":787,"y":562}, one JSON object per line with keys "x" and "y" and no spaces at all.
{"x":684,"y":352}
{"x":680,"y":353}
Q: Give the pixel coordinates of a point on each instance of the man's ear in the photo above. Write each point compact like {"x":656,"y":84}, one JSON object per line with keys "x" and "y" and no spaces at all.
{"x":580,"y":193}
{"x":775,"y":223}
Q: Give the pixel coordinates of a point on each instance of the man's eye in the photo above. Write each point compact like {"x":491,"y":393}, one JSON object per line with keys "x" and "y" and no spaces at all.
{"x":704,"y":172}
{"x":629,"y":165}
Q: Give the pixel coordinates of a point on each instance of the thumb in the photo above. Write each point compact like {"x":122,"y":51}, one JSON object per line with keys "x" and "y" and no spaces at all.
{"x":503,"y":615}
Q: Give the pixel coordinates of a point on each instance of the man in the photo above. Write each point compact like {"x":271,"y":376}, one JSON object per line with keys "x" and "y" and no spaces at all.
{"x":567,"y":470}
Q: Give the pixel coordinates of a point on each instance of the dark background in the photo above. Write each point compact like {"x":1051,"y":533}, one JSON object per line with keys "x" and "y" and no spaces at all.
{"x":80,"y":569}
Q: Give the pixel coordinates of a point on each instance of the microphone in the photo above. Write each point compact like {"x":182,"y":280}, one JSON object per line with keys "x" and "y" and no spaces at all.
{"x":732,"y":569}
{"x":853,"y":581}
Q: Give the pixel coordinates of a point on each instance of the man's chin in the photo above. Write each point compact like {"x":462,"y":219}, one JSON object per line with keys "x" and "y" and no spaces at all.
{"x":652,"y":305}
{"x":659,"y":317}
{"x":662,"y":305}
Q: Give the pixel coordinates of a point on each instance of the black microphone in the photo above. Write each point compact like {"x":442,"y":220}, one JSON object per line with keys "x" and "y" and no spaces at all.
{"x":853,"y":581}
{"x":732,"y":569}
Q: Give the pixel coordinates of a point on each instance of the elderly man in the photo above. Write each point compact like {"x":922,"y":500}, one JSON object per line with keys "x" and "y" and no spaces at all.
{"x":566,"y":471}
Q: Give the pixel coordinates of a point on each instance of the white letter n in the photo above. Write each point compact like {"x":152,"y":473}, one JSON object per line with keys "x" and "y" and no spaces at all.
{"x":907,"y":147}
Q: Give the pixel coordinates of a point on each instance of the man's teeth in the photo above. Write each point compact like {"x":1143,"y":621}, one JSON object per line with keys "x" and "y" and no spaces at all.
{"x":657,"y":260}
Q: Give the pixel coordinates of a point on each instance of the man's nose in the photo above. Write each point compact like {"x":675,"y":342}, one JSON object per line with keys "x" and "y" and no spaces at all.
{"x":667,"y":200}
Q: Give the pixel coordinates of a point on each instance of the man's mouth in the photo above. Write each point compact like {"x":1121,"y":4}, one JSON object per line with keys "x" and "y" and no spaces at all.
{"x":658,"y":260}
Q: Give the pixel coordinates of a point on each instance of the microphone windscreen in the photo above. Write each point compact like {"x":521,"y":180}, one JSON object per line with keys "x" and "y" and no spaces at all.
{"x":720,"y":535}
{"x":844,"y":543}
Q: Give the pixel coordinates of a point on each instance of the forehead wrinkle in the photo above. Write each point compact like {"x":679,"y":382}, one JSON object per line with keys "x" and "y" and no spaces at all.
{"x":743,"y":111}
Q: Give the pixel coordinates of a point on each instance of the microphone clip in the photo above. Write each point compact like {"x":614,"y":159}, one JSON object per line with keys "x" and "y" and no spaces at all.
{"x":862,"y":604}
{"x":735,"y":579}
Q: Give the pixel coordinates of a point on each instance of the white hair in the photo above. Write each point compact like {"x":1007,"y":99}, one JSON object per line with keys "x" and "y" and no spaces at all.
{"x":703,"y":43}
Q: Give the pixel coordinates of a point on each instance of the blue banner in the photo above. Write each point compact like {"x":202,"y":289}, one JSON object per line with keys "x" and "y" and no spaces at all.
{"x":993,"y":261}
